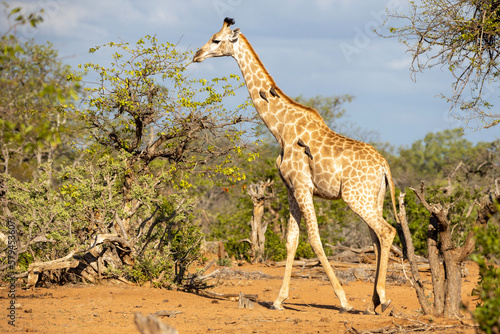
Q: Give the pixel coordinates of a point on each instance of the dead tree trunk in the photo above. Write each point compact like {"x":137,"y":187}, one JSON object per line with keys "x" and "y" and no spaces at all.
{"x":259,"y":195}
{"x":415,"y":279}
{"x":446,"y":277}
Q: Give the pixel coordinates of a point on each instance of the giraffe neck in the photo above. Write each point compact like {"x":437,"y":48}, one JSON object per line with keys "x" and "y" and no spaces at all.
{"x":259,"y":81}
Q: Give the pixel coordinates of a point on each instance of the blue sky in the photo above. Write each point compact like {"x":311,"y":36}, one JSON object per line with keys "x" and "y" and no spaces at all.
{"x":314,"y":47}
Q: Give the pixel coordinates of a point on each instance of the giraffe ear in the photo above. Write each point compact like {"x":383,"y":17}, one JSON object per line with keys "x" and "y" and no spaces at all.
{"x":234,"y":37}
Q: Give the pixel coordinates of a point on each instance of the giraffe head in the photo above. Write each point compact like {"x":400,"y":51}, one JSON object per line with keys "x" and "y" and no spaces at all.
{"x":220,"y":44}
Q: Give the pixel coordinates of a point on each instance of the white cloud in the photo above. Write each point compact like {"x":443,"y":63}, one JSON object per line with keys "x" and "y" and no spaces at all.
{"x":71,"y":21}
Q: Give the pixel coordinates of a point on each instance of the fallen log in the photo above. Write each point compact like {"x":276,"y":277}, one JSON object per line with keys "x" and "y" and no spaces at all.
{"x":315,"y":262}
{"x":300,"y":263}
{"x":369,"y":249}
{"x":36,"y":268}
{"x":92,"y":258}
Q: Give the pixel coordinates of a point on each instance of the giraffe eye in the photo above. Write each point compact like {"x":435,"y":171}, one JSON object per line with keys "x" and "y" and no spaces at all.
{"x":216,"y":41}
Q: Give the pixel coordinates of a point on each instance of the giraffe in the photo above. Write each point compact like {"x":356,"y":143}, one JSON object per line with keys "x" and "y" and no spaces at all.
{"x":314,"y":161}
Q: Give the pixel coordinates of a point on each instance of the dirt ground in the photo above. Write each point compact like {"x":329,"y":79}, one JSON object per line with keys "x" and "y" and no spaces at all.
{"x":311,"y":308}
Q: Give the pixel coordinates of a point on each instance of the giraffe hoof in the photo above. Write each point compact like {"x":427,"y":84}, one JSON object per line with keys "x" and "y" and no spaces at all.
{"x":369,"y":312}
{"x":276,"y":307}
{"x":386,"y":305}
{"x":345,"y":309}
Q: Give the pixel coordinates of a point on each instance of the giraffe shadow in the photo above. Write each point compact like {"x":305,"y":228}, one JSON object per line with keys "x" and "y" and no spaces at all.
{"x":301,"y":307}
{"x":323,"y":307}
{"x":269,"y":305}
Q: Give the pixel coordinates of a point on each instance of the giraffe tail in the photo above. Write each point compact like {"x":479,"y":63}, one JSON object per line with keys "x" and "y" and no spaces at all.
{"x":399,"y":229}
{"x":392,"y":189}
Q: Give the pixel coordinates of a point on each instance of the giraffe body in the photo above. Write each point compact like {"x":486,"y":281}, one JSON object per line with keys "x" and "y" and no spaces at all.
{"x":314,"y":161}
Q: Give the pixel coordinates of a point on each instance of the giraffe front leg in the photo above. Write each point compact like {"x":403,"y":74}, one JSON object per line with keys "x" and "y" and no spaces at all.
{"x":307,"y":209}
{"x":291,"y":247}
{"x":320,"y":253}
{"x":292,"y":242}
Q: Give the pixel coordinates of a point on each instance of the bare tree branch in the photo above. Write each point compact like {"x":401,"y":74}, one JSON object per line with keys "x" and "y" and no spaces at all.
{"x":461,"y":35}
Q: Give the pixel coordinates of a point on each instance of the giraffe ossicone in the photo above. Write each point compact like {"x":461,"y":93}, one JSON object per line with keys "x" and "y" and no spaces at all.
{"x":314,"y":161}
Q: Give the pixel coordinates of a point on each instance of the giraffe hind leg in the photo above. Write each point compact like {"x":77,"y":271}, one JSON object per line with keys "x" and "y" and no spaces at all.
{"x":375,"y":297}
{"x":385,"y":239}
{"x":383,"y":235}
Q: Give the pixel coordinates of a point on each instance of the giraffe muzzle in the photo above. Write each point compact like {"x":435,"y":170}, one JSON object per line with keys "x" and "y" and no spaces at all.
{"x":198,"y":58}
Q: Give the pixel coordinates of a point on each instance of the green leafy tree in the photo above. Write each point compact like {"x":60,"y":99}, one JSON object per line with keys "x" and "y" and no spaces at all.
{"x":145,"y":106}
{"x":153,"y":128}
{"x":52,"y":222}
{"x":487,"y":313}
{"x":168,"y":130}
{"x":37,"y":105}
{"x":17,"y":18}
{"x":36,"y":102}
{"x":433,"y":158}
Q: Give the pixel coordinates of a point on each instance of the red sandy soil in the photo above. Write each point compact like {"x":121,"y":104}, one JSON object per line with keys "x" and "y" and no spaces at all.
{"x":311,"y":308}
